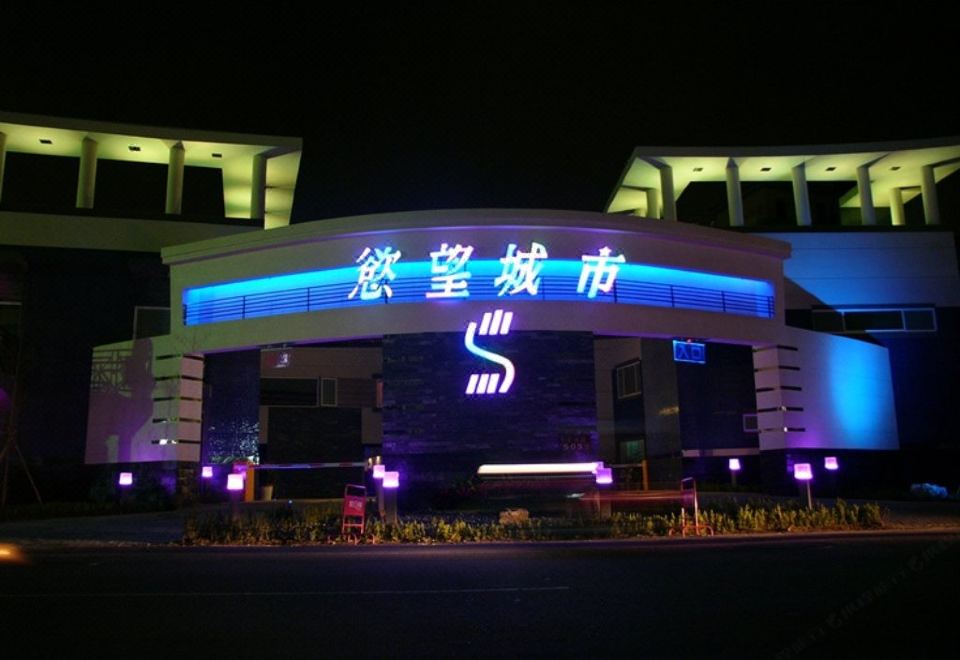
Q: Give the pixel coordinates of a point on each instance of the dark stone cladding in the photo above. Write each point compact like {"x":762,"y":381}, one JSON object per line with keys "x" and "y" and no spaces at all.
{"x":437,"y":435}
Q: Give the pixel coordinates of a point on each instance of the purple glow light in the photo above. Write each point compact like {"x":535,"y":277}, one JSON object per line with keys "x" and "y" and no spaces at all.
{"x":830,"y":463}
{"x":604,"y":475}
{"x":206,"y":472}
{"x":378,"y":471}
{"x":734,"y":464}
{"x":802,"y":472}
{"x":235,"y":481}
{"x":391,"y":479}
{"x":126,"y":479}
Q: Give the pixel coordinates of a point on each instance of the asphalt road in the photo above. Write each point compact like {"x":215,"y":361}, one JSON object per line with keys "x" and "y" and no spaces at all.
{"x":816,"y":596}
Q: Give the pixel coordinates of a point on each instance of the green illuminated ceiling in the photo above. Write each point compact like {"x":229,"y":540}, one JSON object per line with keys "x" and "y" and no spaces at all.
{"x":891,"y":166}
{"x":232,"y":153}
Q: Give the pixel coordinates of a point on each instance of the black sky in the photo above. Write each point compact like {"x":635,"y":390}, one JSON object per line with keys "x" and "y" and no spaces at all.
{"x":490,"y":105}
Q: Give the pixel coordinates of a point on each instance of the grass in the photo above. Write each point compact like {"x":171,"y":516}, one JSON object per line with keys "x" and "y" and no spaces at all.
{"x":321,"y":524}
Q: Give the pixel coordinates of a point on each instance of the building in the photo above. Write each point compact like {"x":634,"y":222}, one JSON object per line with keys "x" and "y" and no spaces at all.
{"x":443,"y":340}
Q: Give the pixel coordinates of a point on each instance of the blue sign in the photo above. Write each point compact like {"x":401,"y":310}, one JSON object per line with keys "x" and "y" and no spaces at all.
{"x":689,"y":351}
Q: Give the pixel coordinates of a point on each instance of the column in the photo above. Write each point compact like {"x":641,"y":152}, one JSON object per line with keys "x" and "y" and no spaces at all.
{"x":669,"y":201}
{"x":928,"y":187}
{"x":175,"y":180}
{"x":867,"y":214}
{"x":896,"y":207}
{"x":801,"y":195}
{"x":653,"y":203}
{"x":258,"y":188}
{"x":734,"y":197}
{"x":3,"y":159}
{"x":87,"y":178}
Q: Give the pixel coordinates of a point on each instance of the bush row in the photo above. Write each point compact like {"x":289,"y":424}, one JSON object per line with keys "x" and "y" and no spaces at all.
{"x":279,"y":526}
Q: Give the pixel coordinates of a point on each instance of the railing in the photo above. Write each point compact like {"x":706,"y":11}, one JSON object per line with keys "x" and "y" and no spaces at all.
{"x":412,"y":290}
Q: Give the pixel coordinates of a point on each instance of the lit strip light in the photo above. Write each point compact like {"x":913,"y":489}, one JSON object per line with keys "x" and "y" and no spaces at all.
{"x":638,"y":284}
{"x":492,"y":323}
{"x":512,"y":469}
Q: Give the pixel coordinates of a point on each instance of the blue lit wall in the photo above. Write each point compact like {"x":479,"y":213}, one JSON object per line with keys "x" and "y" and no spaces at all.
{"x":636,"y":284}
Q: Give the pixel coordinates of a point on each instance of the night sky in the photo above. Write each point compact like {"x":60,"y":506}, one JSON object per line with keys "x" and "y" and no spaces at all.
{"x":489,"y":105}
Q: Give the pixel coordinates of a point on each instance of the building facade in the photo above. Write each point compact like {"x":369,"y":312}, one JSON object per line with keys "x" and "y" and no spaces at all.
{"x":781,"y":327}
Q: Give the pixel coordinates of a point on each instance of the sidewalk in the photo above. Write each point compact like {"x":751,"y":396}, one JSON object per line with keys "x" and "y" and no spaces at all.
{"x":166,"y":527}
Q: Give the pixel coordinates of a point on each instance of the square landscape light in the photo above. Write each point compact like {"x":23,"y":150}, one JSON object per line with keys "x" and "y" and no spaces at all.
{"x":126,"y":479}
{"x":378,"y":471}
{"x":235,"y":481}
{"x":830,"y":463}
{"x":604,"y":475}
{"x":734,"y":464}
{"x":391,"y":479}
{"x":802,"y":472}
{"x":206,"y":472}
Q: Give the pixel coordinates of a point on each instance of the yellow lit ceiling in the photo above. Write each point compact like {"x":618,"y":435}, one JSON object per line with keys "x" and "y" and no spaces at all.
{"x":233,"y":153}
{"x":892,"y":165}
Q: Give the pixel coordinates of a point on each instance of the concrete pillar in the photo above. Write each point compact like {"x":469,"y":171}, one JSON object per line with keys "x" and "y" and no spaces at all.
{"x":87,"y":179}
{"x":175,"y":180}
{"x":258,"y":188}
{"x":801,"y":195}
{"x":669,"y":200}
{"x":868,"y":216}
{"x":653,"y":203}
{"x":3,"y":159}
{"x":896,"y":207}
{"x":928,"y":187}
{"x":734,"y":198}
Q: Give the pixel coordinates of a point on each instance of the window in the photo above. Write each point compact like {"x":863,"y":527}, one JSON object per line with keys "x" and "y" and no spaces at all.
{"x":628,"y":380}
{"x":848,"y":321}
{"x":750,"y":424}
{"x":150,"y":321}
{"x":328,"y":392}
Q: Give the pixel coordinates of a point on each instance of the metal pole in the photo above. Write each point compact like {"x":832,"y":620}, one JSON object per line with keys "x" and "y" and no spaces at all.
{"x":809,"y":498}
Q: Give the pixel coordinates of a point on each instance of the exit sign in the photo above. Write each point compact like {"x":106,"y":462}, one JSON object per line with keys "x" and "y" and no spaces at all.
{"x":689,"y":351}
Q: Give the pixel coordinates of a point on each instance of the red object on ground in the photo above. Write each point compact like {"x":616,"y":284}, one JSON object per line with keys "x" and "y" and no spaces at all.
{"x":354,"y":508}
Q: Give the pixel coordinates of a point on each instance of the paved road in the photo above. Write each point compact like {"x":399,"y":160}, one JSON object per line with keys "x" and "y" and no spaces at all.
{"x":842,"y":595}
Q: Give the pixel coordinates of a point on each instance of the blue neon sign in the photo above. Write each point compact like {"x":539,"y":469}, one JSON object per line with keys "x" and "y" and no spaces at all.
{"x":689,"y":351}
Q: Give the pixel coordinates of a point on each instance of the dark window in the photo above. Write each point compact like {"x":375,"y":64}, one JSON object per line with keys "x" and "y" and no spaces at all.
{"x":628,"y":380}
{"x":328,"y":392}
{"x":921,"y":319}
{"x":873,"y":320}
{"x":750,"y":424}
{"x":151,"y":321}
{"x":288,"y":392}
{"x":828,"y":321}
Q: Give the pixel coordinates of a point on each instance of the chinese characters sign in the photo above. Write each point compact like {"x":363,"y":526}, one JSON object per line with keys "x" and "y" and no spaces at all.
{"x":521,"y":272}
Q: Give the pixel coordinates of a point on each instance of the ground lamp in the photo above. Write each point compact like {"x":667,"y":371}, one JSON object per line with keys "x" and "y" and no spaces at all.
{"x":126,"y":479}
{"x":604,"y":475}
{"x":803,"y":472}
{"x":830,"y":463}
{"x":391,"y":482}
{"x":234,"y":481}
{"x":378,"y":471}
{"x":206,"y":472}
{"x":734,"y":465}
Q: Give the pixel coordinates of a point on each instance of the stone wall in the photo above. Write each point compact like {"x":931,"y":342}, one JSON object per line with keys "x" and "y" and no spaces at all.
{"x":436,"y":434}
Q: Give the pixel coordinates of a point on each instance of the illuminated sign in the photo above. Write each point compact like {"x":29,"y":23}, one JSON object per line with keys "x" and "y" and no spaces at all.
{"x":521,"y":270}
{"x":454,"y":273}
{"x":495,"y":323}
{"x":689,"y":351}
{"x":601,"y":270}
{"x":449,"y":268}
{"x":374,"y":273}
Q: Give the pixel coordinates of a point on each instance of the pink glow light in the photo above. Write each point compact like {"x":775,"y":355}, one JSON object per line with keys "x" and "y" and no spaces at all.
{"x":830,"y":463}
{"x":235,"y":481}
{"x":734,"y":464}
{"x":604,"y":475}
{"x":378,"y":471}
{"x":802,"y":472}
{"x":391,"y":479}
{"x":126,"y":479}
{"x":207,"y":472}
